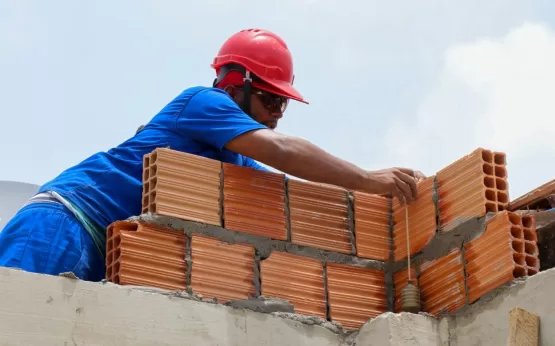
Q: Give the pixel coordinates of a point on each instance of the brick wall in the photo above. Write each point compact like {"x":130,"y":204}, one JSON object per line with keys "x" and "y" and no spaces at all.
{"x":333,"y":253}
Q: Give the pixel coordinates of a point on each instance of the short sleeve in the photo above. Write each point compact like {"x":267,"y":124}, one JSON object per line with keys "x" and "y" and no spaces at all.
{"x":213,"y":118}
{"x":248,"y":162}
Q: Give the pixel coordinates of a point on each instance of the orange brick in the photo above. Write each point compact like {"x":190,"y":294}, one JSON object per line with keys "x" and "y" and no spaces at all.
{"x":254,"y":202}
{"x":221,"y":270}
{"x":143,"y":254}
{"x":355,"y":294}
{"x":372,"y":226}
{"x":319,"y":216}
{"x":422,"y":221}
{"x":442,"y":283}
{"x":182,"y":185}
{"x":300,"y":280}
{"x":499,"y":255}
{"x":471,"y":187}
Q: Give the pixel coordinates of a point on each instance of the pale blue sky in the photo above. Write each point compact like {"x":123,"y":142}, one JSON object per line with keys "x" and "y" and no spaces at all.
{"x":391,"y":83}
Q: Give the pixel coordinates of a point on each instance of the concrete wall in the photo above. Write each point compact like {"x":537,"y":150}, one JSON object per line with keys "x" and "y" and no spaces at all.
{"x":48,"y":310}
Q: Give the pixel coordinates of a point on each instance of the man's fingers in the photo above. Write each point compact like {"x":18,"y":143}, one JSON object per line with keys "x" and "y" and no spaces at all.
{"x":407,"y":171}
{"x":419,"y":176}
{"x":405,"y":190}
{"x":411,"y":182}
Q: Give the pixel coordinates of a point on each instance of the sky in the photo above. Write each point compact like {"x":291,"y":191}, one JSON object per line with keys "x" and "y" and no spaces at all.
{"x":390,"y":83}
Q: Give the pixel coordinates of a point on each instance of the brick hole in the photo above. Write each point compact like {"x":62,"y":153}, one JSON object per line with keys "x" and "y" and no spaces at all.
{"x":152,"y":202}
{"x":501,"y":184}
{"x":530,"y":248}
{"x":117,"y":255}
{"x":490,"y":195}
{"x":145,"y":175}
{"x":153,"y":157}
{"x":519,"y":272}
{"x":145,"y":204}
{"x":519,"y":259}
{"x":153,"y":183}
{"x":531,"y":261}
{"x":518,"y":246}
{"x":109,"y":272}
{"x":499,"y":159}
{"x":530,"y":235}
{"x":502,"y":197}
{"x":527,"y":221}
{"x":491,"y":208}
{"x":489,"y":182}
{"x":516,"y":232}
{"x":515,"y":219}
{"x":487,"y":169}
{"x":153,"y":169}
{"x":487,"y":156}
{"x":532,"y":271}
{"x":116,"y":279}
{"x":500,"y":172}
{"x":501,"y":207}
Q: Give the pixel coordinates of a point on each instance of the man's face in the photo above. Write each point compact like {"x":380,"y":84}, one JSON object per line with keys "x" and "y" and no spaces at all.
{"x":266,"y":108}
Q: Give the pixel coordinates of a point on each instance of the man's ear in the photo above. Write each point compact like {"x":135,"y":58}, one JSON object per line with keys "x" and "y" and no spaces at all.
{"x":233,"y":92}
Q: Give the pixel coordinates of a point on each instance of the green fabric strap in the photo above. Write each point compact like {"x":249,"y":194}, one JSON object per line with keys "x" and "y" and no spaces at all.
{"x":97,"y":233}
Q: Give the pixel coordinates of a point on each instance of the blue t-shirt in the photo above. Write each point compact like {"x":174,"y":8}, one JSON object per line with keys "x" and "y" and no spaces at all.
{"x":108,"y":185}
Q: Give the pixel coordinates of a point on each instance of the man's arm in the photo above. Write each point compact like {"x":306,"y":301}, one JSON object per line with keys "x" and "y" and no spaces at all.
{"x":213,"y":118}
{"x":305,"y":160}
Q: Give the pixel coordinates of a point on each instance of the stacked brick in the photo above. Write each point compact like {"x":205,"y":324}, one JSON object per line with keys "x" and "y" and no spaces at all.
{"x":506,"y":251}
{"x":474,"y":185}
{"x":145,"y":255}
{"x":301,"y":218}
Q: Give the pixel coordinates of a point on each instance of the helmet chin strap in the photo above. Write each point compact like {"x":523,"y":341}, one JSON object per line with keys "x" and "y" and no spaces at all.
{"x":247,"y":88}
{"x":245,"y":105}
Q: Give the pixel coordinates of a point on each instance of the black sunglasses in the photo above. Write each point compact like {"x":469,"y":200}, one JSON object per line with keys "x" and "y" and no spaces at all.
{"x":271,"y":101}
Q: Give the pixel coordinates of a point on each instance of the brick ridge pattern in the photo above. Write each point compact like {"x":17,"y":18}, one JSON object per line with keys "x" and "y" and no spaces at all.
{"x":351,"y":233}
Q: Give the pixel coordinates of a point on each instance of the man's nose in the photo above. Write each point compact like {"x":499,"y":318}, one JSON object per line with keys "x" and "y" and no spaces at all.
{"x":277,"y":115}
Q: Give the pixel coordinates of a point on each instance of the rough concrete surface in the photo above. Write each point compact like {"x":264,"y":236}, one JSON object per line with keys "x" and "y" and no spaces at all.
{"x":403,"y":329}
{"x":487,"y":321}
{"x":58,"y":310}
{"x":54,"y":310}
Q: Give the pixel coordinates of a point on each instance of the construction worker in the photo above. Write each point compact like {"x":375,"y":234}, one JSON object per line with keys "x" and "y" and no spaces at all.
{"x":63,"y":227}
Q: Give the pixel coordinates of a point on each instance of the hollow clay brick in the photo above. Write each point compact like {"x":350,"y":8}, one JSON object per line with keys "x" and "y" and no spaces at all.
{"x":442,"y":283}
{"x":147,"y":255}
{"x":422,"y":221}
{"x":319,"y":216}
{"x":541,"y":198}
{"x":355,"y":294}
{"x":254,"y":201}
{"x":300,"y":280}
{"x":468,"y":188}
{"x":221,"y":270}
{"x":372,"y":214}
{"x":499,"y":255}
{"x":183,"y":185}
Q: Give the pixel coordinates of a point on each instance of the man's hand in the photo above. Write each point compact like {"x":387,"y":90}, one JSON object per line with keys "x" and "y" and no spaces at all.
{"x":396,"y":182}
{"x":302,"y":159}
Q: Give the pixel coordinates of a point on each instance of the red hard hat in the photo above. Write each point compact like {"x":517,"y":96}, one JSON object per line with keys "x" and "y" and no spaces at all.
{"x":265,"y":55}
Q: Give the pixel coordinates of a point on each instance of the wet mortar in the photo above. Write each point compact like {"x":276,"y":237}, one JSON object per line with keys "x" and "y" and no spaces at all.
{"x":263,"y":245}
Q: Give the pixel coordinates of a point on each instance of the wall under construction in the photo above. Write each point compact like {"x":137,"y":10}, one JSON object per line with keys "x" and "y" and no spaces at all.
{"x":48,"y":310}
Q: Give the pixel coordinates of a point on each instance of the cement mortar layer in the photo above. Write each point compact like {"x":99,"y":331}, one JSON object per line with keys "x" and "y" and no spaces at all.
{"x":443,"y":242}
{"x":263,"y":245}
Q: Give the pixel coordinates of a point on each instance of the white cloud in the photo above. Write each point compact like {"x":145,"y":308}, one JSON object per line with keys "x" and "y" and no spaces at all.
{"x":496,"y":93}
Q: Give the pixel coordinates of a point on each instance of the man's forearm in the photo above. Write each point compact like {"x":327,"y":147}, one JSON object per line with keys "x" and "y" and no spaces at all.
{"x":300,"y":158}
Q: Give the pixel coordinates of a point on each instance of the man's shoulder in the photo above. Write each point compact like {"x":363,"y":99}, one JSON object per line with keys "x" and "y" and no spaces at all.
{"x":201,"y":92}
